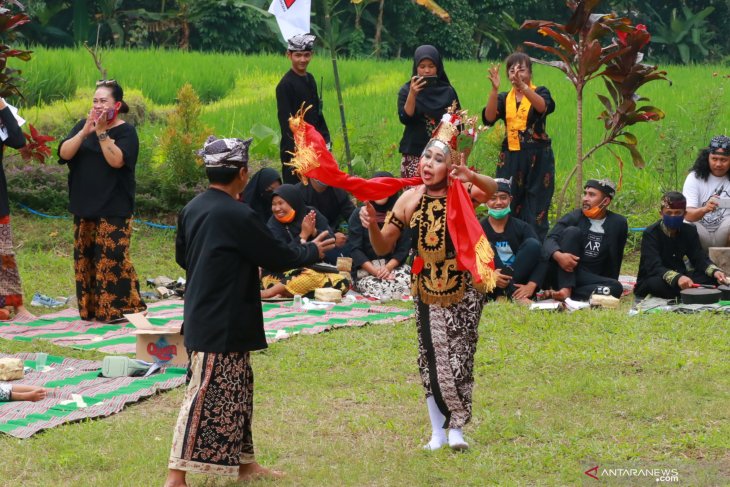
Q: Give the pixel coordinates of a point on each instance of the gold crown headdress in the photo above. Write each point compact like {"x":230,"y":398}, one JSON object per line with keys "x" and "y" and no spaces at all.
{"x":456,"y":133}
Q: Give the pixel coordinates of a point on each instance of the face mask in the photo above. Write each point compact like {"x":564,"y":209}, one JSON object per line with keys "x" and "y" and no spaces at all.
{"x":673,"y":222}
{"x":593,"y":212}
{"x":288,"y":218}
{"x":499,"y":214}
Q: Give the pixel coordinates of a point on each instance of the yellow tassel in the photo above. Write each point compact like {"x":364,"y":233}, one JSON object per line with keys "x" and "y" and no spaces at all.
{"x":304,"y":157}
{"x":484,"y":256}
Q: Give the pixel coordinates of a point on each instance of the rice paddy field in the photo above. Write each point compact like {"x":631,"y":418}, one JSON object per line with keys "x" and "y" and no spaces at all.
{"x":239,"y":100}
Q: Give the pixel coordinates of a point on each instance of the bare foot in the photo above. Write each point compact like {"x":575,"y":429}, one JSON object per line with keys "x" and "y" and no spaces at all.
{"x":27,"y":393}
{"x":254,"y":471}
{"x":523,"y":301}
{"x":562,"y":295}
{"x":175,"y":478}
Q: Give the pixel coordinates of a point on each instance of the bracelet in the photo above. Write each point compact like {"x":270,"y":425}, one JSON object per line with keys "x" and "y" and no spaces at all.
{"x":302,"y":241}
{"x":103,"y":136}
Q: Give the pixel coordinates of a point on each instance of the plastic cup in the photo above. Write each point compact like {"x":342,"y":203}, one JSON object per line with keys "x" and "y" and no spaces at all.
{"x":297,"y":302}
{"x":40,"y":360}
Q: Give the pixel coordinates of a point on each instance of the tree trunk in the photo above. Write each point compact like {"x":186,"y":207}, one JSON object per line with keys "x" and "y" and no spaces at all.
{"x":579,"y":147}
{"x":378,"y":29}
{"x":333,"y":53}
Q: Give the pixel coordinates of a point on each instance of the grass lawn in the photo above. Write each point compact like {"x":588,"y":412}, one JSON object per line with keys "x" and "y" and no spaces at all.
{"x":555,"y":395}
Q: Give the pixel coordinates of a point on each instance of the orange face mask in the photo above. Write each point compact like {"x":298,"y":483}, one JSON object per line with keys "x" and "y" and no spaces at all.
{"x":287,"y":218}
{"x":594,"y":212}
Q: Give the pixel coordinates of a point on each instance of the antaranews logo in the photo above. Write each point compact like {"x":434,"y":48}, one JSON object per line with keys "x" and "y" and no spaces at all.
{"x":659,"y":474}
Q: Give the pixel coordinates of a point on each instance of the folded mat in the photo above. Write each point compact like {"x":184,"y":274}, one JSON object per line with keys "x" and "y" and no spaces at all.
{"x":66,"y":376}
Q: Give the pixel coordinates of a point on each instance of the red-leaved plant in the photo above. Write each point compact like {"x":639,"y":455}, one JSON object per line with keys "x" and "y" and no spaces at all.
{"x":35,"y":147}
{"x":609,"y":47}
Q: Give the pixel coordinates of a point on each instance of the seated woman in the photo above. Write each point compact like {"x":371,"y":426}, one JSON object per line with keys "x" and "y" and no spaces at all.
{"x":259,"y":191}
{"x":380,"y":277}
{"x":295,"y":223}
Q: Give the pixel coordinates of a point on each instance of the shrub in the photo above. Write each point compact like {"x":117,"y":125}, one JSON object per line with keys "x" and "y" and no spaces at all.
{"x":179,"y":166}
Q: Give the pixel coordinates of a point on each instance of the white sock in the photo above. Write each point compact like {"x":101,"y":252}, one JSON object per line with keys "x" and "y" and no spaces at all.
{"x":456,"y":439}
{"x":438,"y":433}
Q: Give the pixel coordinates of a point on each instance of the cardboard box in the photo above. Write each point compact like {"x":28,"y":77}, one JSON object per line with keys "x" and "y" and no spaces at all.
{"x":158,"y":343}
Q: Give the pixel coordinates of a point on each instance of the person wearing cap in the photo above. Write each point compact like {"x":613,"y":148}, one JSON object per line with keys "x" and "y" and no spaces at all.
{"x":298,"y":87}
{"x":585,"y":248}
{"x":422,"y":101}
{"x":707,"y":189}
{"x":665,"y":245}
{"x":221,"y":243}
{"x":334,"y":203}
{"x":518,"y":258}
{"x":101,"y":155}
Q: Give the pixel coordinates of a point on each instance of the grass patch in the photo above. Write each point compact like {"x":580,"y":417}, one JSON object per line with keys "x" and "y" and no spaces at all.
{"x":555,"y":394}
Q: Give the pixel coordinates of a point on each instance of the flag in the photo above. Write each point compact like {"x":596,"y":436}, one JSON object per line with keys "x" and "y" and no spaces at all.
{"x":292,"y":16}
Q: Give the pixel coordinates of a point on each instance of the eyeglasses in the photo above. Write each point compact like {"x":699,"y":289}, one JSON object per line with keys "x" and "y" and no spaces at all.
{"x":106,"y":82}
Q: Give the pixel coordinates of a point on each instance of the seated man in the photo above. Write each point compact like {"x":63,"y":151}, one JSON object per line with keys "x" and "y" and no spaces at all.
{"x":707,"y":189}
{"x":334,"y":203}
{"x":586,"y":247}
{"x":518,"y":255}
{"x":664,"y":245}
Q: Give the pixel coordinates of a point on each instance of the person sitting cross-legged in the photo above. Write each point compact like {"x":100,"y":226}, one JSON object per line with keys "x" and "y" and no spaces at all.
{"x":664,"y":246}
{"x":586,"y":247}
{"x":518,"y":257}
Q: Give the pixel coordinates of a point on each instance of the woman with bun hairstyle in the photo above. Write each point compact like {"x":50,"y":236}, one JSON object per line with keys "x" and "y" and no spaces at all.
{"x":101,"y":154}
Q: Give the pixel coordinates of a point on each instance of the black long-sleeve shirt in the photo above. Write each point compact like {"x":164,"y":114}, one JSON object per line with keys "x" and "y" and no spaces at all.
{"x":334,"y":203}
{"x":291,"y":92}
{"x":16,"y":140}
{"x":221,"y":243}
{"x":615,"y":228}
{"x":361,"y":250}
{"x":663,"y":256}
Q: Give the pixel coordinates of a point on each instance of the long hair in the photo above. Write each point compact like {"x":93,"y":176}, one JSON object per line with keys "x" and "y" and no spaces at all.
{"x":701,"y":167}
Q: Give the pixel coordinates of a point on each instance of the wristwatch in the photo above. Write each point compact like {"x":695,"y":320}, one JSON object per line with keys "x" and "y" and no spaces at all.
{"x":103,"y":136}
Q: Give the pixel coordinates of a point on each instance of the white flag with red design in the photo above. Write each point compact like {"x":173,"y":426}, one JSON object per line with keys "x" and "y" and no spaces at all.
{"x":292,"y":16}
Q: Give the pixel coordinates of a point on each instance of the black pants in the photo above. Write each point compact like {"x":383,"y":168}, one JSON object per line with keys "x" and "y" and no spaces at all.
{"x":582,"y":281}
{"x":658,"y":287}
{"x":527,"y":258}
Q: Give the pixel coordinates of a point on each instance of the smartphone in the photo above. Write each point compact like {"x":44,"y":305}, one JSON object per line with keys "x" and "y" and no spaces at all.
{"x":430,"y":80}
{"x":110,"y":115}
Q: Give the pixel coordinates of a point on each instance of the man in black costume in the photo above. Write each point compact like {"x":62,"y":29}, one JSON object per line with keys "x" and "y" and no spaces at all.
{"x":221,"y":243}
{"x":295,"y":89}
{"x":585,"y":248}
{"x":664,"y":246}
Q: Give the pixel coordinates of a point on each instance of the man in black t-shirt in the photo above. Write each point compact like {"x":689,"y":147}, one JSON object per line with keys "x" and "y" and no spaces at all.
{"x":295,"y":89}
{"x":585,"y":248}
{"x":518,"y":259}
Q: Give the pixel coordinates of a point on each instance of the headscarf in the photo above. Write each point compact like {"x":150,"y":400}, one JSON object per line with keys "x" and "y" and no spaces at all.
{"x":433,"y":100}
{"x":227,"y":153}
{"x":301,"y":42}
{"x":292,"y":195}
{"x":605,"y":186}
{"x":255,"y":192}
{"x":382,"y":210}
{"x":720,"y":145}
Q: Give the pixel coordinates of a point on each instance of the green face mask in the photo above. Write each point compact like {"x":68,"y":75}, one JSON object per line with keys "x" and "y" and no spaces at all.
{"x":499,"y":214}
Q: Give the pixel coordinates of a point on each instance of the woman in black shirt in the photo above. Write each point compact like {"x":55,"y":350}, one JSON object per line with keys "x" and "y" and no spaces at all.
{"x":421,"y":104}
{"x":101,"y":153}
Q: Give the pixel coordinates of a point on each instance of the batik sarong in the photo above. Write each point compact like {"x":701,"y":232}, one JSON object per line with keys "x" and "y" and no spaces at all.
{"x":213,"y":430}
{"x":11,"y":291}
{"x":374,"y":287}
{"x":6,"y":391}
{"x":447,"y":341}
{"x":106,"y":282}
{"x":409,"y":165}
{"x":304,"y":281}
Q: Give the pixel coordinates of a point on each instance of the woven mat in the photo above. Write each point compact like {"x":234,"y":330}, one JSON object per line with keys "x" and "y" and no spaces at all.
{"x":66,"y":376}
{"x":67,"y":329}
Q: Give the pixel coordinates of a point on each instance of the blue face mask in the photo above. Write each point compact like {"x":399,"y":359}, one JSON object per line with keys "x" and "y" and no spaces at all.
{"x":499,"y":214}
{"x":673,"y":222}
